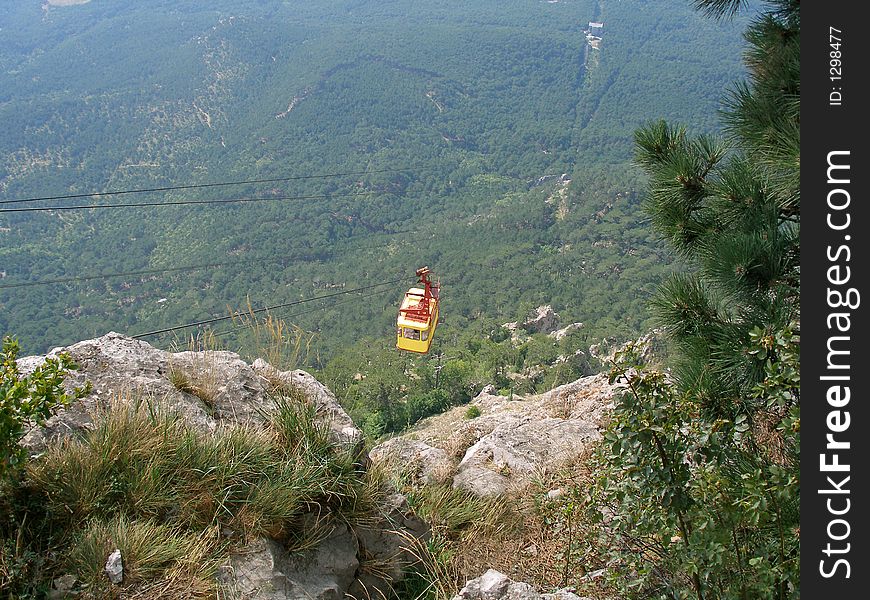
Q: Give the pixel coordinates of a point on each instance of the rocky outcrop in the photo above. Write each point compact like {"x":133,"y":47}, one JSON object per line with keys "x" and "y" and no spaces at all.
{"x":265,"y":571}
{"x":518,"y":444}
{"x":512,"y":438}
{"x":213,"y":388}
{"x":388,"y":545}
{"x":494,"y":585}
{"x":652,"y":348}
{"x":541,"y":320}
{"x":564,"y":331}
{"x":206,"y":387}
{"x":363,"y":562}
{"x":418,"y":460}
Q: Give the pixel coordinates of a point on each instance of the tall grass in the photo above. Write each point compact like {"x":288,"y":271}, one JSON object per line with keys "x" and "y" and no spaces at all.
{"x":146,"y":482}
{"x":284,"y":346}
{"x":459,"y":520}
{"x":530,"y":535}
{"x":202,"y":377}
{"x":159,"y":560}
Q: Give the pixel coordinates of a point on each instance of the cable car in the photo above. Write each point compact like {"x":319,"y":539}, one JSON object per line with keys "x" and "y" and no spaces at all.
{"x":418,"y":315}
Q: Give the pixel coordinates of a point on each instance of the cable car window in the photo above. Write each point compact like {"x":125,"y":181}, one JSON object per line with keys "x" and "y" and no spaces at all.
{"x":412,"y":334}
{"x":424,"y":335}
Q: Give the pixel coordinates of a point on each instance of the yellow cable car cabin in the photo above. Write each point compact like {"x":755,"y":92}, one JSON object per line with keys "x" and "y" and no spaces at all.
{"x":418,"y":315}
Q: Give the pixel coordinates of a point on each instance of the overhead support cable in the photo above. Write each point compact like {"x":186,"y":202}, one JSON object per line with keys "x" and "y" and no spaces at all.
{"x":196,"y":186}
{"x":102,"y":276}
{"x":303,"y":312}
{"x":238,"y":314}
{"x":182,"y":202}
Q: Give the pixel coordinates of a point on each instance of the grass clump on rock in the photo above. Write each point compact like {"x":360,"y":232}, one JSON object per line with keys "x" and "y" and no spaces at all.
{"x":175,"y":499}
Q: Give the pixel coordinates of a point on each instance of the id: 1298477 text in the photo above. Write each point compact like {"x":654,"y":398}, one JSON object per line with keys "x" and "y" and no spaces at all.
{"x":835,"y":66}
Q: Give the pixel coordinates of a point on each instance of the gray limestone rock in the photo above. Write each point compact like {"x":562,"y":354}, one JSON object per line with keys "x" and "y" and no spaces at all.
{"x":494,"y":585}
{"x":512,"y":438}
{"x":253,"y":572}
{"x":389,"y":544}
{"x":564,"y":331}
{"x":418,"y":460}
{"x":115,"y":567}
{"x":327,"y":571}
{"x":508,"y":455}
{"x":265,"y":571}
{"x":220,"y":387}
{"x":541,"y":320}
{"x":210,"y":389}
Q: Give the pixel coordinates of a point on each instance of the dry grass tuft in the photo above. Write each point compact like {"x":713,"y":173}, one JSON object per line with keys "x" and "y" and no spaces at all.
{"x":175,"y":487}
{"x":284,"y":346}
{"x":200,"y":378}
{"x":159,"y":561}
{"x":768,"y":438}
{"x":554,"y":547}
{"x":530,"y":536}
{"x":458,"y":444}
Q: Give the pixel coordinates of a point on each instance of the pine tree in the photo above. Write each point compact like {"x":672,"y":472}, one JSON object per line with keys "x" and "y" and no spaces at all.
{"x":731,"y":208}
{"x":700,"y":468}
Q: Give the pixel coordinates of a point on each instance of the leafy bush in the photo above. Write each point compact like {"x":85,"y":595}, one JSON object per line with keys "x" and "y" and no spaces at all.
{"x":703,"y":507}
{"x":472,"y":412}
{"x":27,"y":400}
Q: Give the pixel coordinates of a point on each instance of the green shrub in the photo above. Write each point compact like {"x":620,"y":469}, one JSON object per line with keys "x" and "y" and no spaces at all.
{"x":27,"y":400}
{"x":472,"y":412}
{"x":704,"y":507}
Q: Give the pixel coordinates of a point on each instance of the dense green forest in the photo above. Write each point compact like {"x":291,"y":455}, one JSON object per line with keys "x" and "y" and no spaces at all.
{"x":527,"y":162}
{"x":465,"y":114}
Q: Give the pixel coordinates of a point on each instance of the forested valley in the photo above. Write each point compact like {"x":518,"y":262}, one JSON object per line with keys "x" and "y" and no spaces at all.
{"x":608,"y":194}
{"x":487,"y":140}
{"x":482,"y":107}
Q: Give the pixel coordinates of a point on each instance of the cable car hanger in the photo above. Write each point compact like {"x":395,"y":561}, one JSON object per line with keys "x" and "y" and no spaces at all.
{"x":418,"y":315}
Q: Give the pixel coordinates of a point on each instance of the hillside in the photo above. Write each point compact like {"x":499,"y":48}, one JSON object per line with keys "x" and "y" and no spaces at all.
{"x":541,"y":450}
{"x":198,"y":475}
{"x":486,"y":109}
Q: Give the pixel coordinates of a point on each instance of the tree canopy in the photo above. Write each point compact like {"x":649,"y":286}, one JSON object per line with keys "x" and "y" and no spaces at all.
{"x":702,"y":466}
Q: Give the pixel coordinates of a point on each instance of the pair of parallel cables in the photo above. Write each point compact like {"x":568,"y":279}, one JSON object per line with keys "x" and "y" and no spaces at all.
{"x":235,"y":315}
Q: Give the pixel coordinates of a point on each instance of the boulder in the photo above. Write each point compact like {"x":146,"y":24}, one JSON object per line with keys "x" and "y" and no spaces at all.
{"x":494,"y":585}
{"x":327,"y":571}
{"x":328,"y":408}
{"x":587,"y":398}
{"x":339,"y":565}
{"x":512,"y":438}
{"x":541,"y":320}
{"x":220,"y":386}
{"x":264,"y":570}
{"x":516,"y":447}
{"x":254,"y":572}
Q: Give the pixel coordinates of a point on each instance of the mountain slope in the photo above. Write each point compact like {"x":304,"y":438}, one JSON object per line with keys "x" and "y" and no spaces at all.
{"x":478,"y":104}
